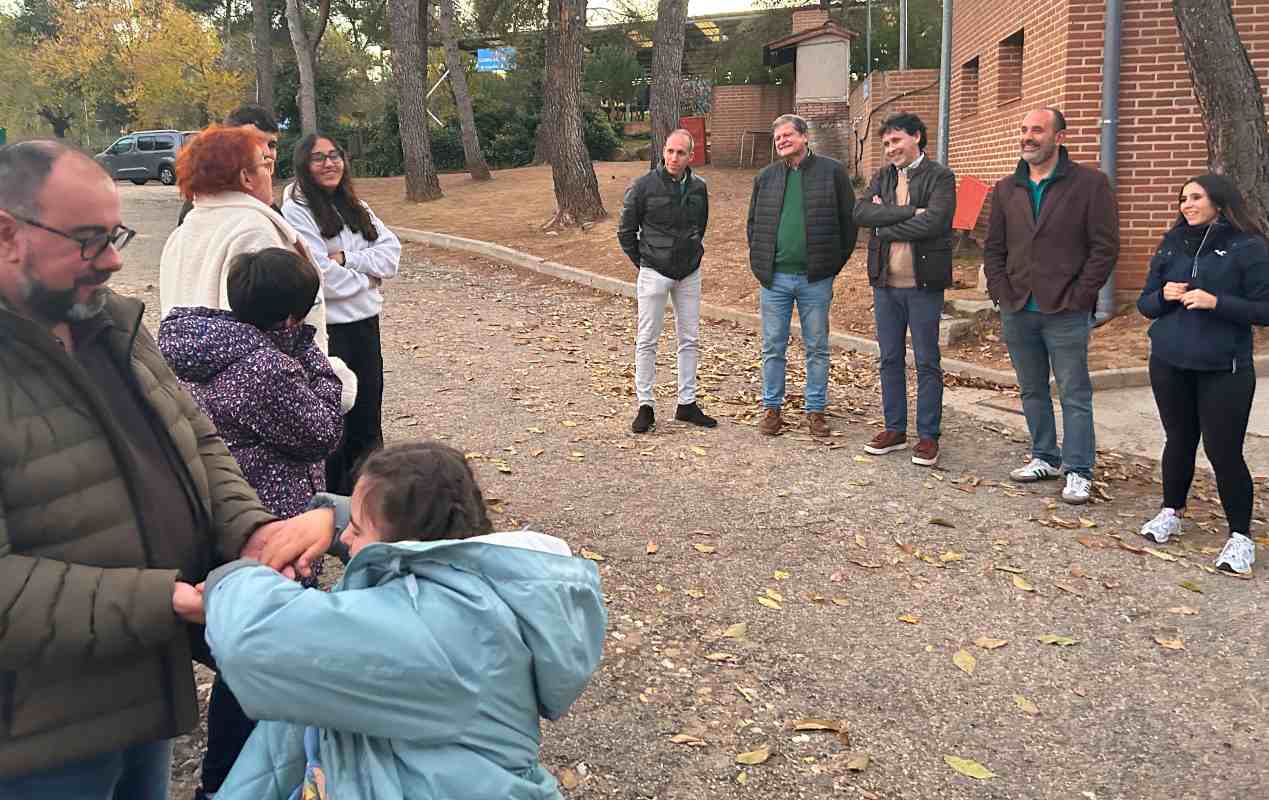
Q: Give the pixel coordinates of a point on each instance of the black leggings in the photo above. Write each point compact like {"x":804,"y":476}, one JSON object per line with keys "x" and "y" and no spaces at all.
{"x":357,"y":343}
{"x":1215,"y":405}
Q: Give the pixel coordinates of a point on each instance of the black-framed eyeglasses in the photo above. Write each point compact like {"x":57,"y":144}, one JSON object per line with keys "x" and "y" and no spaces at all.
{"x":322,"y":158}
{"x":89,"y":246}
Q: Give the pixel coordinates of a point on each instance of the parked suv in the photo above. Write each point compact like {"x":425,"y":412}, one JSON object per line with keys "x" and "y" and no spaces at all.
{"x":145,"y":155}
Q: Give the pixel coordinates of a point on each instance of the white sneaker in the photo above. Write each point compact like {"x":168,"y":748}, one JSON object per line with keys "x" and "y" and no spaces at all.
{"x":1037,"y":470}
{"x":1163,"y":527}
{"x":1238,"y":556}
{"x":1077,"y":489}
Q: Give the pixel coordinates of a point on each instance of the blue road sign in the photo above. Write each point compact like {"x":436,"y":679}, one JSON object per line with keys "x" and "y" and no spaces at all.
{"x":496,"y":59}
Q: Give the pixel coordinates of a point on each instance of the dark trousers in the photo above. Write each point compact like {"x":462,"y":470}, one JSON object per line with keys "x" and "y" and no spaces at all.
{"x":227,"y":731}
{"x":896,"y":312}
{"x":357,"y":343}
{"x":1214,"y":406}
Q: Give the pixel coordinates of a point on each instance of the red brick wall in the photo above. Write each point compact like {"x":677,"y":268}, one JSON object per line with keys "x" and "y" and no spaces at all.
{"x":737,"y":109}
{"x":869,"y":113}
{"x":1161,"y":140}
{"x":809,"y":18}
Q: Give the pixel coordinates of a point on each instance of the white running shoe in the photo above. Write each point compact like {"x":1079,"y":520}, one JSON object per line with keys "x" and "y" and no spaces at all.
{"x":1238,"y":556}
{"x":1163,"y":527}
{"x":1077,"y":489}
{"x":1037,"y":470}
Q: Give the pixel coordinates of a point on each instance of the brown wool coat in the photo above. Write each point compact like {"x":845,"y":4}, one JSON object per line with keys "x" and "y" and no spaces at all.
{"x":1065,"y":256}
{"x":92,"y":657}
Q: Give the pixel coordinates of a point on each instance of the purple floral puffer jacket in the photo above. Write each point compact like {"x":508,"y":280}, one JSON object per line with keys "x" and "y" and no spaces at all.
{"x":271,"y":394}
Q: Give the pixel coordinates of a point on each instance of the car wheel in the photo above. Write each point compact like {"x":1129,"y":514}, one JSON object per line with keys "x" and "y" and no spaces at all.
{"x":138,"y":181}
{"x":167,"y":175}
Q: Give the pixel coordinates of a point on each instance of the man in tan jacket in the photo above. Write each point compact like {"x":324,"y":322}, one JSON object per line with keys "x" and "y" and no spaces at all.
{"x":116,"y":497}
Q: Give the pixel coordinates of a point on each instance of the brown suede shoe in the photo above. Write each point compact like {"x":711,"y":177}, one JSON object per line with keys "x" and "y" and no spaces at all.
{"x":926,"y":453}
{"x":771,"y":423}
{"x":818,"y":425}
{"x":886,"y":442}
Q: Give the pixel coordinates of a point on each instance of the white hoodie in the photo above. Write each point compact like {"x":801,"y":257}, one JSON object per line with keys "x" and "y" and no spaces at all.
{"x":194,"y":267}
{"x":349,"y":294}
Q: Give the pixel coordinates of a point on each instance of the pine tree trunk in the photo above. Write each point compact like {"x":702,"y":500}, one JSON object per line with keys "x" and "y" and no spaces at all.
{"x":576,"y":189}
{"x":408,"y":23}
{"x":667,"y":72}
{"x":307,"y":100}
{"x":1229,"y":97}
{"x":462,"y":97}
{"x":262,"y":43}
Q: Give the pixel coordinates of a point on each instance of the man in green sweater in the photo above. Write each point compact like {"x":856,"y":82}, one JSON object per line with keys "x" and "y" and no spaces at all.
{"x":801,"y":232}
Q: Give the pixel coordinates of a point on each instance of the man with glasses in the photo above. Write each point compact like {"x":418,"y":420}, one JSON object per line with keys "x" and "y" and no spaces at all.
{"x":261,"y":119}
{"x":116,"y":498}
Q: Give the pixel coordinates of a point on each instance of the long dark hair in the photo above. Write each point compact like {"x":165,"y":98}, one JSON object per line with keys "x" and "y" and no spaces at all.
{"x":334,"y":210}
{"x":1228,"y":201}
{"x":423,"y":491}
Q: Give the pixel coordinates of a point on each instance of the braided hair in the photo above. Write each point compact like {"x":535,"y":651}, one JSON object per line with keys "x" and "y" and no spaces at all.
{"x":423,"y":491}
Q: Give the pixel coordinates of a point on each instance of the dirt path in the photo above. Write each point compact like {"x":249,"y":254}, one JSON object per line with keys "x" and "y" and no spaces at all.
{"x":532,"y":378}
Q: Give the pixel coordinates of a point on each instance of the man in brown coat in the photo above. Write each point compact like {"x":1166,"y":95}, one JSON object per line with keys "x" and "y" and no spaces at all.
{"x":1052,"y":242}
{"x":116,"y":498}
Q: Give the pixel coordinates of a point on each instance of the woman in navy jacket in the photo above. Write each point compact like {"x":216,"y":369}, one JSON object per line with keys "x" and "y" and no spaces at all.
{"x":1208,"y":284}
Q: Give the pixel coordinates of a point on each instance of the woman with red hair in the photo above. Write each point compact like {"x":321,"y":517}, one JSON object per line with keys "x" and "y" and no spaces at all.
{"x":228,"y":174}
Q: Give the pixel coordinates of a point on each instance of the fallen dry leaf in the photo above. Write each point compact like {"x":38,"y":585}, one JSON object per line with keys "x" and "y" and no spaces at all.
{"x":1078,"y":572}
{"x":1192,"y":586}
{"x":591,"y":554}
{"x":1085,"y":522}
{"x":969,"y":767}
{"x":839,"y":600}
{"x":700,"y":451}
{"x":769,"y":603}
{"x":965,"y":661}
{"x":568,"y":779}
{"x":774,"y":595}
{"x":1060,"y":641}
{"x":1021,"y":583}
{"x":780,"y":575}
{"x":749,"y":694}
{"x":1066,"y":587}
{"x":858,"y":762}
{"x":1169,"y":643}
{"x":1010,"y":570}
{"x":719,"y":657}
{"x":737,"y":631}
{"x":652,"y":548}
{"x":1183,"y":610}
{"x":695,"y":594}
{"x":1026,"y":705}
{"x":754,"y":757}
{"x":942,"y":523}
{"x":910,"y":619}
{"x":836,"y":726}
{"x":1160,"y":554}
{"x":951,"y":556}
{"x":988,"y":643}
{"x":864,"y":564}
{"x":860,"y":541}
{"x":704,"y":548}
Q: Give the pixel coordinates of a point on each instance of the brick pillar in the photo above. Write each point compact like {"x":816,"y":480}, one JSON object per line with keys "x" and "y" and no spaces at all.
{"x":828,"y":123}
{"x":808,"y":18}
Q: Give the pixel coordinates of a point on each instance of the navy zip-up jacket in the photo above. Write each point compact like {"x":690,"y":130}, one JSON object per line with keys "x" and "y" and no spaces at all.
{"x":1220,"y":260}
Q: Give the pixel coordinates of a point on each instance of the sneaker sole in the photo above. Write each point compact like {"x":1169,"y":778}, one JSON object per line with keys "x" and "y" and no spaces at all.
{"x":1074,"y":501}
{"x":1149,"y":536}
{"x":881,"y":451}
{"x":1228,"y":570}
{"x":925,"y":462}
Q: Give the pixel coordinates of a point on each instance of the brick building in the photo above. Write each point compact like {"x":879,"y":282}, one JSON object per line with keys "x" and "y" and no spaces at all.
{"x":882,"y":94}
{"x":1008,"y":58}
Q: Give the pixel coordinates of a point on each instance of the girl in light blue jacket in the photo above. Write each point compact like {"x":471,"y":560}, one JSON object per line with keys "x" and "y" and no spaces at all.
{"x":436,"y":653}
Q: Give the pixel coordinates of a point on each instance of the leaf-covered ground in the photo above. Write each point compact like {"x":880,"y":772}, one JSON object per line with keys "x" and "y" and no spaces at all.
{"x":796,"y":619}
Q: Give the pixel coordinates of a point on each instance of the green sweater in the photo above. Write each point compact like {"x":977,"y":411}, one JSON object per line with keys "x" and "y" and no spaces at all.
{"x":790,"y":256}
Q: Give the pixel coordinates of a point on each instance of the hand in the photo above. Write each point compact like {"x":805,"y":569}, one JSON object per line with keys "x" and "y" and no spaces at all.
{"x":919,"y":212}
{"x":877,"y":201}
{"x":294,"y":542}
{"x":1198,"y":299}
{"x":1172,"y":290}
{"x":338,"y":255}
{"x":187,"y":602}
{"x":375,"y":283}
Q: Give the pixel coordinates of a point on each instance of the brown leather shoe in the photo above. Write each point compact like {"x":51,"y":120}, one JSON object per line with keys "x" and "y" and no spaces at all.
{"x":886,"y":442}
{"x":818,"y":425}
{"x":771,"y":423}
{"x":926,"y":453}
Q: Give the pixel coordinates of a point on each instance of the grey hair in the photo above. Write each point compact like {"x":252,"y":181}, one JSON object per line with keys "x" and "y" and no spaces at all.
{"x":798,"y":123}
{"x":24,"y":169}
{"x":691,"y":140}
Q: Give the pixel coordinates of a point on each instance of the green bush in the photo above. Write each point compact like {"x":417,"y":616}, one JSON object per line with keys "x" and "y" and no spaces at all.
{"x":601,"y":139}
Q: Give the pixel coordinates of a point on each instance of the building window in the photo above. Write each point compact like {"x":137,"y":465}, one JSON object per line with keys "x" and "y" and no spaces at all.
{"x":968,"y":99}
{"x":1009,"y":65}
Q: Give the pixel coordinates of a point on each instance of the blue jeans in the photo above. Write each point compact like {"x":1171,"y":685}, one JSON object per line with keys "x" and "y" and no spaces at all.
{"x":897,"y":311}
{"x":813,"y":301}
{"x":1038,"y":342}
{"x":141,"y":772}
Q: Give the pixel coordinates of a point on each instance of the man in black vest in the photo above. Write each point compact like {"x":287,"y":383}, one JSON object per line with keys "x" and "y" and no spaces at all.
{"x":909,"y":205}
{"x":801,"y":231}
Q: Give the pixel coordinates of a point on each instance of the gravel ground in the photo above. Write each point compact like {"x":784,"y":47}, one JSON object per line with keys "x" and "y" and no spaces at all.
{"x":874,"y":575}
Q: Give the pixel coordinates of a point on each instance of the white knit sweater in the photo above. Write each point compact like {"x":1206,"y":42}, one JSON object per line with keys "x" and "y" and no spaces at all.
{"x":194,"y":267}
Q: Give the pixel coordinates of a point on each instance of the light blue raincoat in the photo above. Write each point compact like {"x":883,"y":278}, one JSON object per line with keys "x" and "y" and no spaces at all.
{"x":426,"y":668}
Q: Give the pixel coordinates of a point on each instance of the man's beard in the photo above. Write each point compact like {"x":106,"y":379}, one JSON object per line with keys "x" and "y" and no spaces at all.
{"x":58,"y":305}
{"x":1040,"y":155}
